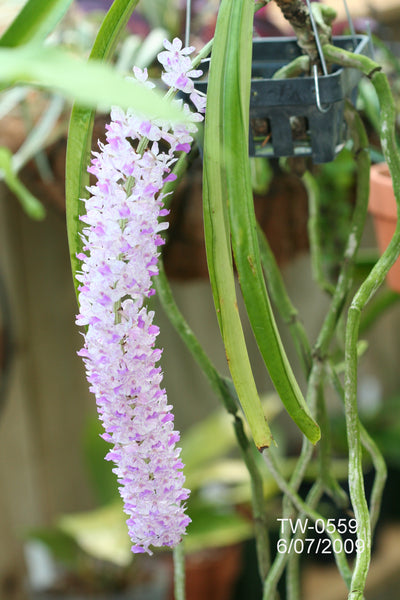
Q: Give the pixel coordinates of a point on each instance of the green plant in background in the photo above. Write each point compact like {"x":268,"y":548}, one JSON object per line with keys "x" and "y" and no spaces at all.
{"x":231,"y":228}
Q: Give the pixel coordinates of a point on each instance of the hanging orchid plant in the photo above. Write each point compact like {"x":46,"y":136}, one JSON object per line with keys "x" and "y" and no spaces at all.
{"x":115,"y":234}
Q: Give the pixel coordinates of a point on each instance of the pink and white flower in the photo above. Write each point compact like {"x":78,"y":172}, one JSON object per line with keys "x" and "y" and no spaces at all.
{"x":121,"y":244}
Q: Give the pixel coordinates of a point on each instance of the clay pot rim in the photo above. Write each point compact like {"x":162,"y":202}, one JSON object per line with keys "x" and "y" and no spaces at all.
{"x":382,"y":202}
{"x":380,"y":173}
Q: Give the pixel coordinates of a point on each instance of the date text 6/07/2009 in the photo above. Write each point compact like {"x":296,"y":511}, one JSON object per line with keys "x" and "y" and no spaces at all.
{"x":299,"y":545}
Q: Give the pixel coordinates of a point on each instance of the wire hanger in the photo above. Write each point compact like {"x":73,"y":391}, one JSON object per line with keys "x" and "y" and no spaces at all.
{"x":187,"y":26}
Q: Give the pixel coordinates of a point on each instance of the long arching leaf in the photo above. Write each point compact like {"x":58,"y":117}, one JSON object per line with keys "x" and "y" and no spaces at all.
{"x":235,"y":125}
{"x":217,"y":234}
{"x":230,"y":123}
{"x":91,"y":83}
{"x":236,"y":101}
{"x":34,"y":22}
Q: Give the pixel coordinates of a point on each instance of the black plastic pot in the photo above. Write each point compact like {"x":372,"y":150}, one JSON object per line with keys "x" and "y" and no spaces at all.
{"x":284,"y":117}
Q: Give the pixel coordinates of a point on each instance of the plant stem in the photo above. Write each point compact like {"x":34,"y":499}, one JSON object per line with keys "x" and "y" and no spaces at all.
{"x":295,"y":68}
{"x":257,"y":501}
{"x":180,"y":168}
{"x":293,"y":576}
{"x":363,"y":295}
{"x":380,"y":476}
{"x":331,"y":485}
{"x":204,"y":52}
{"x":293,"y":569}
{"x":335,"y":55}
{"x":297,"y":14}
{"x":179,"y":572}
{"x":356,"y":479}
{"x":376,"y":457}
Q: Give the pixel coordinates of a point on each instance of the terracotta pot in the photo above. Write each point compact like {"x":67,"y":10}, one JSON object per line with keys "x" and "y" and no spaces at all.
{"x":382,"y":205}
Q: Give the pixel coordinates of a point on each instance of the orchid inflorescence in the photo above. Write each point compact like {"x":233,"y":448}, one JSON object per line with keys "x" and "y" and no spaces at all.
{"x":121,"y":243}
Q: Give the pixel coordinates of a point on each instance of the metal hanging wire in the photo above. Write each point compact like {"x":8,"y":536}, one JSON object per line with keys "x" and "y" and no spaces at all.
{"x":351,"y":24}
{"x":371,"y":45}
{"x":187,"y":26}
{"x":317,"y":40}
{"x":317,"y":95}
{"x":321,"y":54}
{"x":322,"y":59}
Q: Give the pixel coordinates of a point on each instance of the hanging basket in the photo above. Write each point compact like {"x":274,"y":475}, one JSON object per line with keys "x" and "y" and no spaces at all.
{"x":285,"y":119}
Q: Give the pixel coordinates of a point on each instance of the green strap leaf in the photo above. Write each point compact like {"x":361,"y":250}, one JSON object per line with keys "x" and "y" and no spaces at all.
{"x":34,"y":22}
{"x":90,"y":83}
{"x":81,"y":128}
{"x":233,"y":123}
{"x":217,"y":234}
{"x":236,"y":101}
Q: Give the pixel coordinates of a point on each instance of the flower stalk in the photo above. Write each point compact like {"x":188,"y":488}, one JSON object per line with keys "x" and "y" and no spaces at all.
{"x":121,"y":241}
